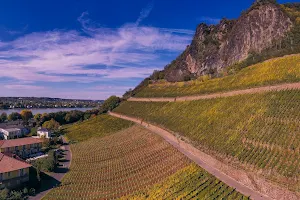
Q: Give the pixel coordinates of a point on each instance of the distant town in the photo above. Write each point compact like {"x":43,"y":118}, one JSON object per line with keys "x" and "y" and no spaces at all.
{"x":45,"y":102}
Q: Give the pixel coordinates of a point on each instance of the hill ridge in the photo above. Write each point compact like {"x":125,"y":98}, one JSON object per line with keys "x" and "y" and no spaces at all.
{"x":279,"y":87}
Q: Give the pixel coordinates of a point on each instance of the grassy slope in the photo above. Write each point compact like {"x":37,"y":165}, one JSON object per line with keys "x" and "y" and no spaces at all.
{"x":261,"y":130}
{"x":99,"y":126}
{"x":132,"y":160}
{"x":275,"y":71}
{"x":187,"y":183}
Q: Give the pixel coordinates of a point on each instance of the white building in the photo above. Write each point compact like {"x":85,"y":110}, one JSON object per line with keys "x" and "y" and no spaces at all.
{"x":43,"y":133}
{"x":11,"y":133}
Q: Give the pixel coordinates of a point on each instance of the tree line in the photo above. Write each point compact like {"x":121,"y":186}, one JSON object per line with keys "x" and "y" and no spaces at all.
{"x":53,"y":120}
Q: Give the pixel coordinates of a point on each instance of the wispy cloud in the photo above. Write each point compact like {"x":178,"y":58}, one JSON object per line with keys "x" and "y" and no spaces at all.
{"x":23,"y":87}
{"x":144,"y":13}
{"x":130,"y":51}
{"x":209,"y":20}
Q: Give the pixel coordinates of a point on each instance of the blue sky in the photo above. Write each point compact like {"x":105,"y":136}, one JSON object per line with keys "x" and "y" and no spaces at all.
{"x":94,"y":49}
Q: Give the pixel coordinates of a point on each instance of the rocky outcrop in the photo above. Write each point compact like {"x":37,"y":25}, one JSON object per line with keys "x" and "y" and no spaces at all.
{"x":215,"y":47}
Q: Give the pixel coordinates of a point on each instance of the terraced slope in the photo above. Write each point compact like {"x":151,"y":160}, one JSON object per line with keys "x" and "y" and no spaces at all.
{"x":127,"y":162}
{"x":259,"y":131}
{"x":99,"y":126}
{"x":118,"y":165}
{"x":275,"y":71}
{"x":188,"y":183}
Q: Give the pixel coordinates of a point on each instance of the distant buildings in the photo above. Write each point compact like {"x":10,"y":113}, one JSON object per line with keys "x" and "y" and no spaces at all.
{"x":12,"y":130}
{"x":13,"y":172}
{"x":11,"y":133}
{"x":43,"y":133}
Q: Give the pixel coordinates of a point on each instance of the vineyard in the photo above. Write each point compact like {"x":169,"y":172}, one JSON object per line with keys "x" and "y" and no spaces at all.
{"x":130,"y":161}
{"x":188,"y":183}
{"x":259,"y":130}
{"x":275,"y":71}
{"x":118,"y":165}
{"x":99,"y":126}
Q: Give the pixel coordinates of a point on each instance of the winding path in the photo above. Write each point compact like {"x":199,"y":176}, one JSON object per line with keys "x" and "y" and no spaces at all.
{"x":235,"y":178}
{"x":60,"y":171}
{"x":287,"y":86}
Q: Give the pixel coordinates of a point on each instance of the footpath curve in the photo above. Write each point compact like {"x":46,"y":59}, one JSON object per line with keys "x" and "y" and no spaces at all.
{"x":235,"y":178}
{"x":286,"y":86}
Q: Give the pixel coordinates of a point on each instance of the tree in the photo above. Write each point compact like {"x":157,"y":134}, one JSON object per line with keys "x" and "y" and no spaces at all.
{"x":26,"y":115}
{"x":73,"y":116}
{"x":51,"y":125}
{"x":37,"y":118}
{"x":3,"y":117}
{"x":14,"y":116}
{"x":110,"y":103}
{"x":44,"y":117}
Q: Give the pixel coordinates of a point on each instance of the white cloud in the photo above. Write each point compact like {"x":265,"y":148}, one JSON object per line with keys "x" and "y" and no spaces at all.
{"x":89,"y":56}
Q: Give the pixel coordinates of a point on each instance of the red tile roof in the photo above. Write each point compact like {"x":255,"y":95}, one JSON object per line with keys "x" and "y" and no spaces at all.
{"x":19,"y":142}
{"x":8,"y":164}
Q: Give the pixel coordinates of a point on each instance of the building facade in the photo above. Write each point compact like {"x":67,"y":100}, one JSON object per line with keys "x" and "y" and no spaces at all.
{"x":43,"y":133}
{"x":13,"y":172}
{"x":11,"y":133}
{"x":22,"y":147}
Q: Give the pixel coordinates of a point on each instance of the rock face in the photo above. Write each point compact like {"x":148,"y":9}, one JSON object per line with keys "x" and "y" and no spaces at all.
{"x":217,"y":46}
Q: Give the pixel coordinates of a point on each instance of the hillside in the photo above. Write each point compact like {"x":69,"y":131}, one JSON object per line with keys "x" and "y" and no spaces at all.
{"x":265,"y":30}
{"x":201,"y":148}
{"x":129,"y":162}
{"x":257,"y":132}
{"x":99,"y":126}
{"x":190,"y":182}
{"x":274,"y":71}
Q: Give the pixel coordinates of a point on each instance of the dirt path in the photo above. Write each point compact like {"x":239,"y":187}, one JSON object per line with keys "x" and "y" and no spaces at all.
{"x":59,"y":173}
{"x":246,"y":183}
{"x":286,"y":86}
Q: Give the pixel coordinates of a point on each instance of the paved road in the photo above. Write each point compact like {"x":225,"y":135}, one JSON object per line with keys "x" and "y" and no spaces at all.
{"x":195,"y":155}
{"x":287,"y":86}
{"x":59,"y":173}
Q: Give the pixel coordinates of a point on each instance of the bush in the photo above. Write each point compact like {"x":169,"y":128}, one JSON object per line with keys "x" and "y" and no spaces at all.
{"x":110,"y":103}
{"x":47,"y":164}
{"x":32,"y":192}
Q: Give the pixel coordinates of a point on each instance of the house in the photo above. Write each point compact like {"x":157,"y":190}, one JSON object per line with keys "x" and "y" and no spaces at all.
{"x":22,"y":147}
{"x":11,"y":133}
{"x":13,"y":172}
{"x":43,"y":133}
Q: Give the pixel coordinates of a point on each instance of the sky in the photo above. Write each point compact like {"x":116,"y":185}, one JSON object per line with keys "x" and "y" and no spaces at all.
{"x":92,"y":49}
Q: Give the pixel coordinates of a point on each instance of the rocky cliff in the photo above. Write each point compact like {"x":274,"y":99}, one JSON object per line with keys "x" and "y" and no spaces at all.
{"x":215,"y":47}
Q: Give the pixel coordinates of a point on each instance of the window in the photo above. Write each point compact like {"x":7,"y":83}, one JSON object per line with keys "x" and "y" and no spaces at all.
{"x":21,"y":172}
{"x":8,"y":174}
{"x":1,"y":177}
